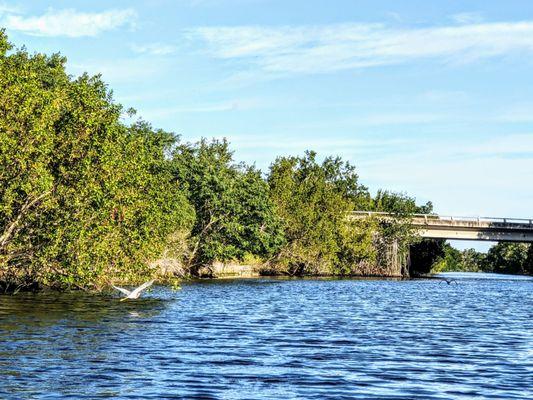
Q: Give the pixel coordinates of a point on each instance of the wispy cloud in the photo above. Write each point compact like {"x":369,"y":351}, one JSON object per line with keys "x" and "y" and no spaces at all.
{"x":285,"y":144}
{"x":469,"y":176}
{"x":155,"y":49}
{"x":218,"y":3}
{"x":506,"y":146}
{"x":8,"y":9}
{"x":233,"y":105}
{"x":330,"y":48}
{"x":122,"y":70}
{"x":468,"y":18}
{"x":69,"y":23}
{"x":397,"y":119}
{"x":517,"y":113}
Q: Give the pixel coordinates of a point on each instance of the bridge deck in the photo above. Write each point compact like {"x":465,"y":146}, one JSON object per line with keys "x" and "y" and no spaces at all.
{"x":464,"y":228}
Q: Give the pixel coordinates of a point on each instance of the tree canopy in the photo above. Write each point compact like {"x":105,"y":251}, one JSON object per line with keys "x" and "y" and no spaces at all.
{"x":509,"y":258}
{"x":83,"y":197}
{"x":87,"y":198}
{"x":502,"y":258}
{"x":234,"y":215}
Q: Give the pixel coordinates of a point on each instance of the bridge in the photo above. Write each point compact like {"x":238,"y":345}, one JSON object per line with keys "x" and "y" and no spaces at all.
{"x":463,"y":228}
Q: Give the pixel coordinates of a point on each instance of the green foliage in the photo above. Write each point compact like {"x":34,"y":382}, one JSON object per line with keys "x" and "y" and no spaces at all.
{"x":398,"y":232}
{"x":234,"y":215}
{"x":454,"y":260}
{"x":357,"y":248}
{"x":472,"y":260}
{"x":503,"y":258}
{"x":528,"y":263}
{"x":312,"y":199}
{"x":86,"y":198}
{"x":425,"y":253}
{"x":4,"y":43}
{"x":508,"y":258}
{"x":402,"y":207}
{"x":83,"y":197}
{"x":399,"y":204}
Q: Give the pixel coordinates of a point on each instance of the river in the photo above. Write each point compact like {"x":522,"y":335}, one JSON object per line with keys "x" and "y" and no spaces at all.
{"x":275,"y":339}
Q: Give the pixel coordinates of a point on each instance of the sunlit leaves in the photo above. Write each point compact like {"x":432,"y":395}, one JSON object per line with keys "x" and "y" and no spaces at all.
{"x":313,"y":199}
{"x":84,"y":198}
{"x":234,"y":215}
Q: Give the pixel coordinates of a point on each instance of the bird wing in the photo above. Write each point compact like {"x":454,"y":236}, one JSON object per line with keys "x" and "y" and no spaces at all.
{"x":125,"y":291}
{"x":138,"y":290}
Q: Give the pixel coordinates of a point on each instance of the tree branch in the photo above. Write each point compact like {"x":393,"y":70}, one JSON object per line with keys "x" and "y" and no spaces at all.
{"x":10,"y":230}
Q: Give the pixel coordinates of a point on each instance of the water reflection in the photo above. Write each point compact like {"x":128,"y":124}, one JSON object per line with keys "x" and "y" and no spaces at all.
{"x":270,"y":338}
{"x":50,"y":308}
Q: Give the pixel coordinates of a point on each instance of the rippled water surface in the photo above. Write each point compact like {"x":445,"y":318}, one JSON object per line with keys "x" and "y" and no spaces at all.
{"x":275,"y":339}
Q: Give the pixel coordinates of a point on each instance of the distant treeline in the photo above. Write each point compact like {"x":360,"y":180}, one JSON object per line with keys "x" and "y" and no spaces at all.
{"x":503,"y":258}
{"x":86,"y":198}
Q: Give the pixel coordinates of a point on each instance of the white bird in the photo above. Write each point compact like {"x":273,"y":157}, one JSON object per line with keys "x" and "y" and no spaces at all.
{"x":135,"y":293}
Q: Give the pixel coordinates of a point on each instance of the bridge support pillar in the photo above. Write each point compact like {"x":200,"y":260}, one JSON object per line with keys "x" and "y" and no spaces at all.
{"x":407,"y":265}
{"x":392,"y":260}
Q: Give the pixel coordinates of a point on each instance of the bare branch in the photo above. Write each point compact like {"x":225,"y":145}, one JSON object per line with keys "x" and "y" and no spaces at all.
{"x":10,"y":230}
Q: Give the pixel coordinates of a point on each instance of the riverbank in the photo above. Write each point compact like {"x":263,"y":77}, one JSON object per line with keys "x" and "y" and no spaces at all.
{"x":228,"y":270}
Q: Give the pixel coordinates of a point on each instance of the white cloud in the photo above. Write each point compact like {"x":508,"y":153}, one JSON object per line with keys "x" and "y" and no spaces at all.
{"x":468,"y":18}
{"x":8,"y":9}
{"x":70,"y":23}
{"x":507,"y":146}
{"x":329,"y":48}
{"x":466,"y":186}
{"x":224,"y":106}
{"x":397,"y":119}
{"x":117,"y":71}
{"x":446,"y":97}
{"x":464,"y":177}
{"x":218,"y":3}
{"x":155,"y":49}
{"x":517,"y":113}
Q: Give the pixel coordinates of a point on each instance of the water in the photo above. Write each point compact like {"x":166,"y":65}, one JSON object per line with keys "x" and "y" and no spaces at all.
{"x":275,"y":339}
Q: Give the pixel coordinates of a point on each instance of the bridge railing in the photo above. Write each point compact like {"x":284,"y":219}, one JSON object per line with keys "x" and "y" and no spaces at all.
{"x":454,"y":218}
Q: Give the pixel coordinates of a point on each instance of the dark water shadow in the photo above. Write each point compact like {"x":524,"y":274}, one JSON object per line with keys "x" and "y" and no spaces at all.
{"x":72,"y":308}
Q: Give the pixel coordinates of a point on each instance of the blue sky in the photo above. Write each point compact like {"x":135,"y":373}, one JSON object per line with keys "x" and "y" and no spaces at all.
{"x":433,"y":98}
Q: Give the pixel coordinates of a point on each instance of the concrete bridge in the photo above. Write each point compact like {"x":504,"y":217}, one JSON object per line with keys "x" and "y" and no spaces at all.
{"x":464,"y":228}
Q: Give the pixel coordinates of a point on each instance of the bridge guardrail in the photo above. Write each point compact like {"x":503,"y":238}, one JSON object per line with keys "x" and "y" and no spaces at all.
{"x":428,"y":217}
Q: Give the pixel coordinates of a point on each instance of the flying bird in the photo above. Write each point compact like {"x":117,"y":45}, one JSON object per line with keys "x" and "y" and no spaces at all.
{"x":449,"y":281}
{"x":135,"y":293}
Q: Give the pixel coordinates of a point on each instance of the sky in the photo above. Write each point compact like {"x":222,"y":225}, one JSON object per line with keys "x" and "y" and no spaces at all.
{"x":430,"y":98}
